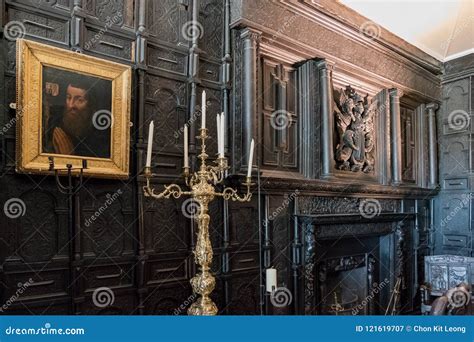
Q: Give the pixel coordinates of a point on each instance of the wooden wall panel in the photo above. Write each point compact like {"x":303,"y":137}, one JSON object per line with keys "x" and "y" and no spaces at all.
{"x":139,"y":248}
{"x":144,"y":259}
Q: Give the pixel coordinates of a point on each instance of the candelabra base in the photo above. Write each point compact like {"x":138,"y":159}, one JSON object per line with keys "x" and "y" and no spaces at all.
{"x":203,"y":307}
{"x":203,"y":284}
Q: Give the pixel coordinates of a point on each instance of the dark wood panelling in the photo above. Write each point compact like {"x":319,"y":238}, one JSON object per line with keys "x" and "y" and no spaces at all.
{"x":454,"y":208}
{"x":141,"y":249}
{"x":165,"y":20}
{"x":39,"y":25}
{"x":145,"y":260}
{"x":279,"y":116}
{"x":166,"y":59}
{"x":108,"y":44}
{"x":409,"y":136}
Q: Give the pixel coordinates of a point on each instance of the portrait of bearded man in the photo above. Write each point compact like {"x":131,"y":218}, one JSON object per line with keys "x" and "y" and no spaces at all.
{"x":75,"y":115}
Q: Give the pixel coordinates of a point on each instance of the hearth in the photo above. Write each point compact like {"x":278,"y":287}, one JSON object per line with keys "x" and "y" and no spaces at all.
{"x":348,"y":264}
{"x":344,"y":284}
{"x":348,"y":269}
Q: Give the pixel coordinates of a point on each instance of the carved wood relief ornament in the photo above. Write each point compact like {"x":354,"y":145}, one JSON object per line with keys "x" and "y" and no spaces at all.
{"x":355,"y":139}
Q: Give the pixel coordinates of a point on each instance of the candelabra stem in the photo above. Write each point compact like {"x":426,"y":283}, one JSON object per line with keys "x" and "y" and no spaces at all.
{"x":204,"y":282}
{"x":202,"y":186}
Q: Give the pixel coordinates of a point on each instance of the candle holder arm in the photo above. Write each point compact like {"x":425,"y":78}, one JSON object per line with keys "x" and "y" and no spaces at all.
{"x":172,"y":190}
{"x":217,"y":172}
{"x":232,"y":194}
{"x":214,"y":174}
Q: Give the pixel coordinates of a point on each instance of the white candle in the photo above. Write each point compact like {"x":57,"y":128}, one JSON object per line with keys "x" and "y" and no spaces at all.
{"x":203,"y":114}
{"x":150,"y":144}
{"x":249,"y":171}
{"x":271,"y":279}
{"x":222,"y":134}
{"x":186,"y":158}
{"x":218,"y":123}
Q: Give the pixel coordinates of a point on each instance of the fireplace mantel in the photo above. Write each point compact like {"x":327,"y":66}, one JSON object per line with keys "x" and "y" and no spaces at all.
{"x":335,"y":219}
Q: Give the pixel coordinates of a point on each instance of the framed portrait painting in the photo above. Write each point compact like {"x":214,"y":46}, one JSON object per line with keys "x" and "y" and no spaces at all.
{"x":71,"y":107}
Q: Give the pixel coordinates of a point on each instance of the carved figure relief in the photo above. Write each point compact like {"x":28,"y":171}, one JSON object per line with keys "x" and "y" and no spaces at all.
{"x":354,"y":118}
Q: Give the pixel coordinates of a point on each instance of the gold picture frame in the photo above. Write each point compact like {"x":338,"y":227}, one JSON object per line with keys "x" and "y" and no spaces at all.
{"x":64,"y":99}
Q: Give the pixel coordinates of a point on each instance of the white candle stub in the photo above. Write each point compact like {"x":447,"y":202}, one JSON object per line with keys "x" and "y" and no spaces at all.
{"x":271,"y":279}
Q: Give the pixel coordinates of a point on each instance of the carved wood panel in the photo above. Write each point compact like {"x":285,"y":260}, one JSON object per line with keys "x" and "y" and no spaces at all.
{"x":361,"y":134}
{"x":165,"y":104}
{"x":279,"y":116}
{"x":243,"y":223}
{"x":165,"y":227}
{"x":168,"y":60}
{"x":211,"y":18}
{"x":138,"y":248}
{"x":108,"y":44}
{"x":110,"y":238}
{"x":117,"y":13}
{"x":38,"y":25}
{"x":453,"y":220}
{"x":245,"y":290}
{"x":408,"y":123}
{"x":167,"y":20}
{"x":108,"y":223}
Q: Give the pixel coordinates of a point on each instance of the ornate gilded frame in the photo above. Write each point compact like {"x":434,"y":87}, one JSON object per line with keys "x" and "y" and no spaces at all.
{"x":31,"y":57}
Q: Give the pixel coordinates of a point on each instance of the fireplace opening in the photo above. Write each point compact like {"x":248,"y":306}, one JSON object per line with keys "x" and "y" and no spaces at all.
{"x":351,"y":264}
{"x":351,"y":275}
{"x":345,"y":284}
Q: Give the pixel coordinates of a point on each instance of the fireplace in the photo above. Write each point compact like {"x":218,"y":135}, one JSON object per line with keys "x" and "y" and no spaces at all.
{"x":349,"y":263}
{"x":344,"y":284}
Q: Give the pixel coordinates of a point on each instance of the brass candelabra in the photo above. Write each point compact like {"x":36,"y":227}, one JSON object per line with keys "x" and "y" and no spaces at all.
{"x":202,"y":185}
